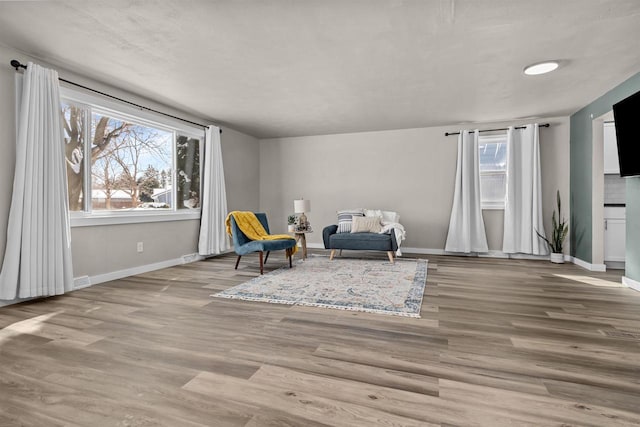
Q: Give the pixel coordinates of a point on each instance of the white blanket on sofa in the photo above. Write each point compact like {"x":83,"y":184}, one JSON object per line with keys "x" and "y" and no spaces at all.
{"x":398,"y":229}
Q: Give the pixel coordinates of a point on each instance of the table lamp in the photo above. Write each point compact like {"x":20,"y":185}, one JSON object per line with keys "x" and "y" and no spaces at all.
{"x":300,"y":207}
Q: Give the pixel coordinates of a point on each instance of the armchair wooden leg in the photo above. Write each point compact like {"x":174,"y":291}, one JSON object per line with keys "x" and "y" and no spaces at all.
{"x":340,"y":254}
{"x":238,"y":261}
{"x":333,"y":253}
{"x":390,"y":254}
{"x":266,"y":257}
{"x":261,"y":263}
{"x":290,"y":264}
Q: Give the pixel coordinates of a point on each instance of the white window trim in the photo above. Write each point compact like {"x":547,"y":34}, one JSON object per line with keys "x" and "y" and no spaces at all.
{"x":493,"y":205}
{"x":85,"y":219}
{"x":101,"y":105}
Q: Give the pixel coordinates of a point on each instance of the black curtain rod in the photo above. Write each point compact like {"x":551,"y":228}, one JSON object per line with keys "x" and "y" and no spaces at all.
{"x":546,"y":125}
{"x":17,"y":65}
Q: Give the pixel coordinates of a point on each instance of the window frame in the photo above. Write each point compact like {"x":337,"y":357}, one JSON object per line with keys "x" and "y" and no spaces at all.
{"x":494,"y":139}
{"x":101,"y":105}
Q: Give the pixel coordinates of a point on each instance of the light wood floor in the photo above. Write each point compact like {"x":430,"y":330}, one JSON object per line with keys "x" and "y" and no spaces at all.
{"x":500,"y":342}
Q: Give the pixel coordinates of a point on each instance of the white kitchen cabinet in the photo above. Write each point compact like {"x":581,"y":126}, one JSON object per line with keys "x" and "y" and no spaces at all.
{"x":614,"y":234}
{"x":611,"y":164}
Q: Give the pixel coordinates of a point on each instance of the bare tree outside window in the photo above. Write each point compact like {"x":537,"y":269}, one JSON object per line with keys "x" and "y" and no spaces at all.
{"x":119,"y":169}
{"x":131,"y":164}
{"x":74,"y":121}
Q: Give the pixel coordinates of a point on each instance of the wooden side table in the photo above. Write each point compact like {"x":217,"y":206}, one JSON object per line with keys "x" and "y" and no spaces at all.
{"x":302,"y":238}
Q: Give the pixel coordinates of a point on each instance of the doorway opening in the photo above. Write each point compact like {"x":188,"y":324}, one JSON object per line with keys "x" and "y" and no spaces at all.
{"x":609,"y":196}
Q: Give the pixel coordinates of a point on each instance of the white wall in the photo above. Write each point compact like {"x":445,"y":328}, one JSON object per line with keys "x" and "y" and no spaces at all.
{"x":241,"y":157}
{"x":411,"y":171}
{"x":104,"y":249}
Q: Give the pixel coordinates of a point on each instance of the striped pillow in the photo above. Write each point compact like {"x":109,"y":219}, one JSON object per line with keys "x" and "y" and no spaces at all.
{"x":346,"y":217}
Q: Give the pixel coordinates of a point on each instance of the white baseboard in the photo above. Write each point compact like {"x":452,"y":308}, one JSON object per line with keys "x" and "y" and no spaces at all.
{"x":84,"y":281}
{"x":494,"y":254}
{"x":586,"y":265}
{"x":422,"y":251}
{"x":630,"y":283}
{"x":81,"y":282}
{"x":404,"y":249}
{"x":227,"y":251}
{"x":490,"y":254}
{"x":432,"y":251}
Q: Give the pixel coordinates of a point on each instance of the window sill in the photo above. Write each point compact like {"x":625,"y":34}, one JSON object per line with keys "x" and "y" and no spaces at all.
{"x":493,"y":207}
{"x":111,"y":218}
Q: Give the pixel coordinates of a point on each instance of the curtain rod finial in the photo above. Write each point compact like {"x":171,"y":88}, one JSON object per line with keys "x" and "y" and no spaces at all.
{"x":16,"y":64}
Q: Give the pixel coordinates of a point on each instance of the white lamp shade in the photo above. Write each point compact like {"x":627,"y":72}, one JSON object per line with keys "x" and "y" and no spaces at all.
{"x":302,"y":206}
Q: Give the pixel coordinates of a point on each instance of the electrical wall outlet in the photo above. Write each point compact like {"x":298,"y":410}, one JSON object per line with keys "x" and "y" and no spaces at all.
{"x":140,"y":247}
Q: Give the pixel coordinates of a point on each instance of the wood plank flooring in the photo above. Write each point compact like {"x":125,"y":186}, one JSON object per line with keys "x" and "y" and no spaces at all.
{"x":500,"y":342}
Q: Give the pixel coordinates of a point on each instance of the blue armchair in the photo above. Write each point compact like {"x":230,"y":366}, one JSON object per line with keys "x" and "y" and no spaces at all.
{"x":243,"y":245}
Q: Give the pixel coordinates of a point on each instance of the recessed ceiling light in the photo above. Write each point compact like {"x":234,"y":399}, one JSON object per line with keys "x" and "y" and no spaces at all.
{"x":540,"y":68}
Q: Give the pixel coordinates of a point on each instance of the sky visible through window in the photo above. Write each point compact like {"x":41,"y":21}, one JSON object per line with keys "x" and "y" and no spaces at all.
{"x":154,"y":144}
{"x":493,"y":156}
{"x":492,"y":151}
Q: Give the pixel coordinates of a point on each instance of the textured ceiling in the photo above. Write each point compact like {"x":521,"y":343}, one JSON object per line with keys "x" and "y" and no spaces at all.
{"x":290,"y":67}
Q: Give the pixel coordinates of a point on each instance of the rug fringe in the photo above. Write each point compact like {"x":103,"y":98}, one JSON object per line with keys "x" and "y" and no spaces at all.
{"x":315,"y":304}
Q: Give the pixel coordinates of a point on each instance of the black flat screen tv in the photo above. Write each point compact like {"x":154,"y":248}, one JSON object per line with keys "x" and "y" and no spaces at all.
{"x":626,"y":115}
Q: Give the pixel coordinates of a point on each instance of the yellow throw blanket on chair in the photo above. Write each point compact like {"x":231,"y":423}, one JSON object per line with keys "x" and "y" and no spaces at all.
{"x":251,"y":226}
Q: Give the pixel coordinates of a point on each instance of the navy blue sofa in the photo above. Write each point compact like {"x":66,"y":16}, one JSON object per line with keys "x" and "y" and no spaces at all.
{"x":358,"y":241}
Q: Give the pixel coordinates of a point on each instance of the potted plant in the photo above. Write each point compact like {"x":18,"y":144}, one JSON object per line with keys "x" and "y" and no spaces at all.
{"x":291,"y":222}
{"x":560,"y":230}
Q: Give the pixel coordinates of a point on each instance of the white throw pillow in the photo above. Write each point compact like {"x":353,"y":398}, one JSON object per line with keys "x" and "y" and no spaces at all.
{"x":389,"y":216}
{"x":373,"y":212}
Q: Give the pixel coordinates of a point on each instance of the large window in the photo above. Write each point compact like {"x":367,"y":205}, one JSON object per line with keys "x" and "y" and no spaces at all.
{"x":123,"y":165}
{"x":493,"y":170}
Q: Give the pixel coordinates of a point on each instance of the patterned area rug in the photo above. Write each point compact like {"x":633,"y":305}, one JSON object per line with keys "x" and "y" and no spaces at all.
{"x":372,"y":286}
